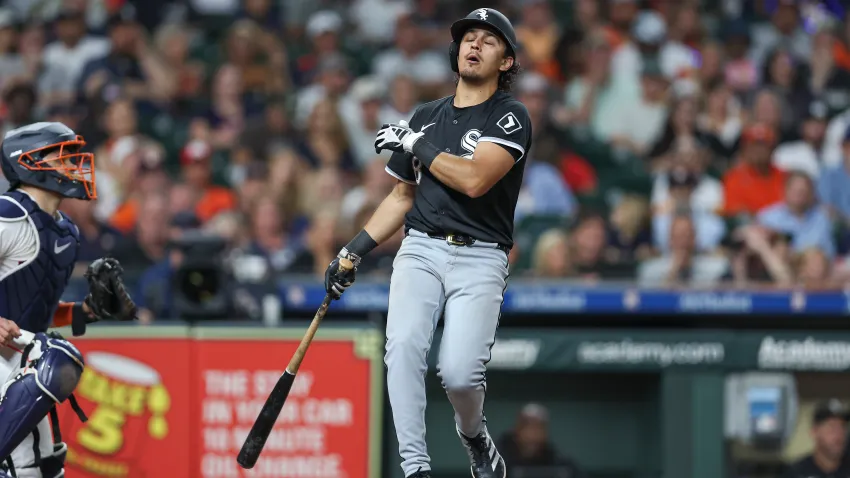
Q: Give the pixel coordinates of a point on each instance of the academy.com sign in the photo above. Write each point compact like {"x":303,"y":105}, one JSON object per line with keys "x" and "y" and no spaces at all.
{"x":662,"y":354}
{"x":805,"y":354}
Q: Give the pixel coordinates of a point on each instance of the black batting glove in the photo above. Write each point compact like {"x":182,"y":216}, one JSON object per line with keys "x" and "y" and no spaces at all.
{"x":338,"y":279}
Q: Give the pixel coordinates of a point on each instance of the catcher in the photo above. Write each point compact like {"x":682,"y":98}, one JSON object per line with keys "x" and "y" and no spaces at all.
{"x":44,"y":164}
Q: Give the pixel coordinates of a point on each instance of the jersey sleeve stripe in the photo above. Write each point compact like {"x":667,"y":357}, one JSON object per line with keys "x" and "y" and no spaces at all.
{"x":504,"y":142}
{"x":395,"y":175}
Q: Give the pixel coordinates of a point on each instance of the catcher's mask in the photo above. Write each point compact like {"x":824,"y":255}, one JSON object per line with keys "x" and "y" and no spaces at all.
{"x":48,"y":156}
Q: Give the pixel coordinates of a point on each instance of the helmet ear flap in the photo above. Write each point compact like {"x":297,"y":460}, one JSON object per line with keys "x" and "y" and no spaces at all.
{"x":453,"y":53}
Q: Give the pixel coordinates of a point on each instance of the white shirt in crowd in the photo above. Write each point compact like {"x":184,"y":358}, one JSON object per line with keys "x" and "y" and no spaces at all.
{"x":797,"y":156}
{"x":71,"y":61}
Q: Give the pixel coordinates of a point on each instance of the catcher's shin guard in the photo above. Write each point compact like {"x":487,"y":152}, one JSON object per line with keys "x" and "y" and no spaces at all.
{"x":50,"y":370}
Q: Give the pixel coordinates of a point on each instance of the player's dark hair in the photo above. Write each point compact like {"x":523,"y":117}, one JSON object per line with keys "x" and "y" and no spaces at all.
{"x":507,"y":79}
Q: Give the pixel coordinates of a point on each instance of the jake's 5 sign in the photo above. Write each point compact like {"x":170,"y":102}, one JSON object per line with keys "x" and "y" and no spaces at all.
{"x":181,"y":407}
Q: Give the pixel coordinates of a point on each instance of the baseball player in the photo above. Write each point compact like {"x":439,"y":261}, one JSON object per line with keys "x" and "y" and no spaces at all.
{"x":43,"y":163}
{"x":459,"y":166}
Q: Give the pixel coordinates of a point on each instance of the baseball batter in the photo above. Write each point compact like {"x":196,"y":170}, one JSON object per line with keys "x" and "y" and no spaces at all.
{"x":459,"y":166}
{"x":38,"y":250}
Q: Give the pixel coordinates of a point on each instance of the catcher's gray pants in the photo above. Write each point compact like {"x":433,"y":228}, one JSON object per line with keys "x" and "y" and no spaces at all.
{"x":466,"y":284}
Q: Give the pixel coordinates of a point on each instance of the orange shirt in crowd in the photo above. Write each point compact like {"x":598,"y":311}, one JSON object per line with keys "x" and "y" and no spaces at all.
{"x":214,"y":200}
{"x":124,"y":218}
{"x":748,"y":191}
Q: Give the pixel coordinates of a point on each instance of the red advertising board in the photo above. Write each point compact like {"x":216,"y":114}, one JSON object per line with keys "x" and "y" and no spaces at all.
{"x":136,"y":394}
{"x":181,"y":407}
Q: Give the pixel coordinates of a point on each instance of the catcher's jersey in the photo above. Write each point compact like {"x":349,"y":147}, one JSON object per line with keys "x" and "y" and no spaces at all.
{"x":37,"y":256}
{"x":438,"y":209}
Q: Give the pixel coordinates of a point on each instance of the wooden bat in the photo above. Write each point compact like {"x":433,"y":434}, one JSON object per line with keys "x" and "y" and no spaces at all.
{"x":262,"y":428}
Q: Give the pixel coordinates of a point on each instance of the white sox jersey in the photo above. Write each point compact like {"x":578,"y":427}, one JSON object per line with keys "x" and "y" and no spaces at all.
{"x":439,"y":209}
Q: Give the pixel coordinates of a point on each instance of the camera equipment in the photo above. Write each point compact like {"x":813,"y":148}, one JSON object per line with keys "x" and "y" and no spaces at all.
{"x":201,"y":280}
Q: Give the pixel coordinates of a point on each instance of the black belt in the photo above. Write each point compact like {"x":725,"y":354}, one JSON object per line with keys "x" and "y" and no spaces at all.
{"x":464,"y":240}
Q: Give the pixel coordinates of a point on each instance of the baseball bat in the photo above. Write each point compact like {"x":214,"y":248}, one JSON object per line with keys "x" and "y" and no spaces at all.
{"x":264,"y":423}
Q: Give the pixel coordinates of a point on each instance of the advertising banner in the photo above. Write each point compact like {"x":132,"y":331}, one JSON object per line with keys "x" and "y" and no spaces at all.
{"x":640,"y":350}
{"x":136,"y":394}
{"x":179,"y":404}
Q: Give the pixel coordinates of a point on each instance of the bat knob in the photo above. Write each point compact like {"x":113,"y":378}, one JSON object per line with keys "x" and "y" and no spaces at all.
{"x":346,"y":264}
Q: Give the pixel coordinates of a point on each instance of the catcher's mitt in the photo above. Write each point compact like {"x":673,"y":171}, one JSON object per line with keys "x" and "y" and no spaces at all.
{"x":108,"y":298}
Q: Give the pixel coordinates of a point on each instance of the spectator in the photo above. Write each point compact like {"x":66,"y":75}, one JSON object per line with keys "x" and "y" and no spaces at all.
{"x":428,"y":68}
{"x":589,"y":241}
{"x":253,"y":187}
{"x":682,"y":264}
{"x":639,"y":123}
{"x":375,"y":186}
{"x":688,"y":164}
{"x":827,"y":81}
{"x":594,"y":96}
{"x":538,"y":33}
{"x":629,"y":237}
{"x":784,"y":29}
{"x":801,"y":216}
{"x":65,"y":58}
{"x":551,"y":257}
{"x":325,"y":141}
{"x":263,"y":133}
{"x":528,"y":449}
{"x":753,"y":183}
{"x":682,"y":188}
{"x":130,"y":62}
{"x":196,"y":169}
{"x":331,"y":83}
{"x":368,"y":92}
{"x":834,"y":189}
{"x":760,"y":256}
{"x":320,"y":246}
{"x":20,"y":100}
{"x":12,"y":64}
{"x":621,"y":18}
{"x":323,"y":34}
{"x":97,"y":239}
{"x":813,"y":269}
{"x":587,"y":16}
{"x":805,"y":154}
{"x":228,"y":111}
{"x":544,"y":192}
{"x":829,"y":436}
{"x":146,"y":243}
{"x":173,"y":43}
{"x":123,"y":139}
{"x":711,"y":67}
{"x":270,"y":239}
{"x":767,"y":110}
{"x":741,"y":71}
{"x":679,"y":128}
{"x":402,"y":100}
{"x":649,"y":42}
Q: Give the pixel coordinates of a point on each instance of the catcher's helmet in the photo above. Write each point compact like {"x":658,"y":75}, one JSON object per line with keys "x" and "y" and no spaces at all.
{"x":482,"y":16}
{"x":69,"y":174}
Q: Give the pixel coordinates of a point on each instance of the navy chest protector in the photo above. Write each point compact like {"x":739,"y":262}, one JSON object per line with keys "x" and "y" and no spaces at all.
{"x":30,"y":293}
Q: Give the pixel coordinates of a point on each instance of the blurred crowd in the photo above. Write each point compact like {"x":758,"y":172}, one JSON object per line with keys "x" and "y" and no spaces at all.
{"x":676,"y":142}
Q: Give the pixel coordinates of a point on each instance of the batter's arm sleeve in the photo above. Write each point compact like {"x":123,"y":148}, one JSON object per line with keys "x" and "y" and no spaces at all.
{"x":510,"y":128}
{"x":400,"y":165}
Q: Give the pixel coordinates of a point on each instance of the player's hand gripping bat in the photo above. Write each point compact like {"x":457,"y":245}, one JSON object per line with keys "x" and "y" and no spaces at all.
{"x":262,"y":428}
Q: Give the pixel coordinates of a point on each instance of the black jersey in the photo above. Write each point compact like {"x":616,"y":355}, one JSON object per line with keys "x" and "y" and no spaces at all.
{"x":439,"y":209}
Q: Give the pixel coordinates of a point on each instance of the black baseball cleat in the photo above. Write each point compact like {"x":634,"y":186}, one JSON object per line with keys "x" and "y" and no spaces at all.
{"x":485,"y":458}
{"x":421,"y":474}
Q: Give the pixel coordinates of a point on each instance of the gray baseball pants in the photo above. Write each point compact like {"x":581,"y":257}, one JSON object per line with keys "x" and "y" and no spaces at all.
{"x":466,"y":285}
